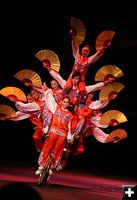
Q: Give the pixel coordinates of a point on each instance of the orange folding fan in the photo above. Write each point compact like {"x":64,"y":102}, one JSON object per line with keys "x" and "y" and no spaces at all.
{"x":49,"y":58}
{"x":104,"y":39}
{"x":112,"y":117}
{"x":29,"y":76}
{"x":6,"y":112}
{"x":78,"y":30}
{"x":116,"y":135}
{"x":13,"y":94}
{"x":108,"y":71}
{"x":110,"y":91}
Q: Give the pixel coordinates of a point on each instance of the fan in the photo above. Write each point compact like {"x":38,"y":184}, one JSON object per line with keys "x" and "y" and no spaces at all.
{"x":78,"y":30}
{"x":116,"y":135}
{"x":108,"y":71}
{"x":13,"y":94}
{"x":110,"y":91}
{"x":29,"y":77}
{"x":104,"y":39}
{"x":112,"y":117}
{"x":6,"y":112}
{"x":49,"y":59}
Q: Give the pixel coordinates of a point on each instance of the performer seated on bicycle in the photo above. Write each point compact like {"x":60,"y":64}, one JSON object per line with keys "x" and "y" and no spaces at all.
{"x":60,"y":130}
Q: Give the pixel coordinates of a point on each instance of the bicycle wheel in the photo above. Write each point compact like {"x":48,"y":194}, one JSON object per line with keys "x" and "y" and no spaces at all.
{"x":43,"y":177}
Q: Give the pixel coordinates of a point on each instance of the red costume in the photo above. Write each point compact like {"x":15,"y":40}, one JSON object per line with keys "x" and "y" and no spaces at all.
{"x":82,"y":64}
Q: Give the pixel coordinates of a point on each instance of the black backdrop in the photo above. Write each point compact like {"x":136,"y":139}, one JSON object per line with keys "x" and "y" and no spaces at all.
{"x":27,"y":29}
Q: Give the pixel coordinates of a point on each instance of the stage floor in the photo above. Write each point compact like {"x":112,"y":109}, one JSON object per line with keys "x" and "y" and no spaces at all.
{"x":68,"y":184}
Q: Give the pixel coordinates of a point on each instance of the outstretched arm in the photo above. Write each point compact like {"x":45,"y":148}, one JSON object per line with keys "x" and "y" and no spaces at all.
{"x":97,"y":105}
{"x":58,"y":78}
{"x":100,"y":135}
{"x":96,"y":56}
{"x":96,"y":121}
{"x":27,"y":107}
{"x":20,"y":116}
{"x":95,"y":87}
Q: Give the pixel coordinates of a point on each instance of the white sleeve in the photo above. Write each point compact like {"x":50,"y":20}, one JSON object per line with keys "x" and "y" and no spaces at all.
{"x":27,"y":107}
{"x":97,"y":105}
{"x":75,"y":48}
{"x":100,"y":135}
{"x":58,"y":78}
{"x":69,"y":135}
{"x":95,"y":87}
{"x":41,"y":90}
{"x":96,"y":56}
{"x":50,"y":101}
{"x":20,"y":116}
{"x":96,"y":121}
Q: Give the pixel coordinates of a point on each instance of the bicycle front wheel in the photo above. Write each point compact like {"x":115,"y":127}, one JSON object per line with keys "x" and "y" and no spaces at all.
{"x":43,"y":177}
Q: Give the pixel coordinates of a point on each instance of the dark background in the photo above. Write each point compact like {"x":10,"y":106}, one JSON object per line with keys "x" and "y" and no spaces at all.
{"x":27,"y":29}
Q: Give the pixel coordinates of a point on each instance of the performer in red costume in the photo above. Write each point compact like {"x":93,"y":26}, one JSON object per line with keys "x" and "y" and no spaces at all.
{"x":82,"y":62}
{"x":60,"y":130}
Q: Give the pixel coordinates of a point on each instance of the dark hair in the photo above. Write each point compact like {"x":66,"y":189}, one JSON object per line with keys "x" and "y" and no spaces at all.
{"x":71,"y":108}
{"x":76,"y":73}
{"x":53,"y":80}
{"x":85,"y":45}
{"x":65,"y":97}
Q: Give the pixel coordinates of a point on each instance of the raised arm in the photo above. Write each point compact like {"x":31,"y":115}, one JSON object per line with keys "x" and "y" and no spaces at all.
{"x":50,"y":101}
{"x":40,"y":90}
{"x":58,"y":78}
{"x":96,"y":56}
{"x":75,"y":48}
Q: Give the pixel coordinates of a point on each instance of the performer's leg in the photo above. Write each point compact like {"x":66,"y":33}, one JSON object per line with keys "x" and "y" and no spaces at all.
{"x":47,"y":148}
{"x":58,"y":150}
{"x":37,"y":136}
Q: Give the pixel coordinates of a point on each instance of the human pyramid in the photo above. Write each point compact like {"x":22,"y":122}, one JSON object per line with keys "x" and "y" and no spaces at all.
{"x":65,"y":113}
